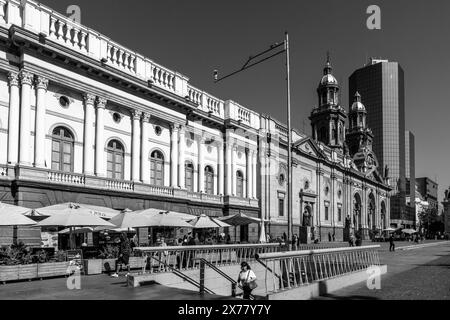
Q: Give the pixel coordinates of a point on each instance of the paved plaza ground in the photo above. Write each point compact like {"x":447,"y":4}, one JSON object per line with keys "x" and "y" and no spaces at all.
{"x":412,"y":274}
{"x":419,"y":274}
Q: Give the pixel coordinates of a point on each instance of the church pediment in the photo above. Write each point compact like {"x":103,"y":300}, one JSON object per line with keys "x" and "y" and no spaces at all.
{"x":309,"y":146}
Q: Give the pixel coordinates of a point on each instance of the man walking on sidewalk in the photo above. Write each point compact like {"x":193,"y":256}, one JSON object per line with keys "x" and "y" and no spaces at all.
{"x":392,"y":243}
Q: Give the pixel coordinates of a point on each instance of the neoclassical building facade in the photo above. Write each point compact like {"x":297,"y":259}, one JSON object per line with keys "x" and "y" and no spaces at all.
{"x":84,"y":119}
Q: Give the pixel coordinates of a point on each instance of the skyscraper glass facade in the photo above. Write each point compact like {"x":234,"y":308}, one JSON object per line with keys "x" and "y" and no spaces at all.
{"x":381,"y":86}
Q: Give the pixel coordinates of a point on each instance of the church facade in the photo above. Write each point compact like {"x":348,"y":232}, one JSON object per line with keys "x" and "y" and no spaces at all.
{"x":337,"y":187}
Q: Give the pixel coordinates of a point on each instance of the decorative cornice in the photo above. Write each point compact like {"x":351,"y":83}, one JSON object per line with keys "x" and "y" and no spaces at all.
{"x":26,"y":78}
{"x":13,"y":78}
{"x":41,"y":83}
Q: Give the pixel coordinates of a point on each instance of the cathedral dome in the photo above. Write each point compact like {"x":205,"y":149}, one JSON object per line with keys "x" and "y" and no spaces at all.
{"x":357,"y":104}
{"x":328,"y":79}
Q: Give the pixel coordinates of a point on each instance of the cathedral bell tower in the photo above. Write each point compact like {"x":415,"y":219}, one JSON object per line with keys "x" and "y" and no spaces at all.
{"x":328,"y":119}
{"x":359,"y":136}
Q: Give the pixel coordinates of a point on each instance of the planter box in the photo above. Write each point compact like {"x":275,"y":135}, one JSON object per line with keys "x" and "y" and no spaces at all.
{"x":28,"y":271}
{"x":137,"y":262}
{"x":53,"y":269}
{"x":108,"y":265}
{"x":9,"y":273}
{"x":93,"y":266}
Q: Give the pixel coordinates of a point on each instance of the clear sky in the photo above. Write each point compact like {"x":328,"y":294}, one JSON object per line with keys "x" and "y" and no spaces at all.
{"x":197,"y":36}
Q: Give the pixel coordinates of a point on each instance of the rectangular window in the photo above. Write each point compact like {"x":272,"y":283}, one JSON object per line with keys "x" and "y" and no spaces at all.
{"x":281,"y":207}
{"x":326,"y":213}
{"x":340,"y":214}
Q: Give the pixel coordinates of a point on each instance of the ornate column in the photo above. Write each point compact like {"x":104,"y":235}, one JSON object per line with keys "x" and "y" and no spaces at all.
{"x":174,"y":129}
{"x":249,"y":173}
{"x":14,"y":114}
{"x":254,"y":174}
{"x":233,"y":170}
{"x":181,"y":159}
{"x":145,"y":164}
{"x":89,"y":119}
{"x":99,"y":138}
{"x":26,"y":80}
{"x":39,"y":136}
{"x":220,"y":168}
{"x":136,"y":146}
{"x":201,"y":166}
{"x":229,"y":168}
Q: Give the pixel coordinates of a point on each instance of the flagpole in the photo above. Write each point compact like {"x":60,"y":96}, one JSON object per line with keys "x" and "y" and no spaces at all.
{"x":289,"y":165}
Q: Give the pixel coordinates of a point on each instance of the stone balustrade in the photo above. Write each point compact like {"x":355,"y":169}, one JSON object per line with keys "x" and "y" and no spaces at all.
{"x":68,"y":33}
{"x":66,"y":178}
{"x":119,"y":185}
{"x":3,"y":171}
{"x":206,"y":102}
{"x":238,"y":113}
{"x":121,"y":58}
{"x":162,"y":77}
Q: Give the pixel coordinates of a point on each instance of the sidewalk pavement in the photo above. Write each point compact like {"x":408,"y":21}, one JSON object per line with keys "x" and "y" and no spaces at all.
{"x":420,"y":274}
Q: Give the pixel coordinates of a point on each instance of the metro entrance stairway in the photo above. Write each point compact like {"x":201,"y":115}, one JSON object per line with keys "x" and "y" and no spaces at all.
{"x":213,"y":269}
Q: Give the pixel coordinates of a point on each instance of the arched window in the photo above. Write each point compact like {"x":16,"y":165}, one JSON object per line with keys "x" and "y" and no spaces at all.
{"x":115,"y":159}
{"x":189,"y":176}
{"x":239,"y":184}
{"x":157,"y":168}
{"x":209,"y":180}
{"x":62,"y":150}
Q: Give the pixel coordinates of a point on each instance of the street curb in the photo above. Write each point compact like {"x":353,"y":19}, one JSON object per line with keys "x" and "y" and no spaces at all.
{"x":419,"y":246}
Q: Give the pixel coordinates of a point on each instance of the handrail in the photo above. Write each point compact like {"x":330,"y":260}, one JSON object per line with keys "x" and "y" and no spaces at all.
{"x":205,"y":247}
{"x":298,"y":268}
{"x":184,"y":277}
{"x":290,"y":254}
{"x":223,"y":274}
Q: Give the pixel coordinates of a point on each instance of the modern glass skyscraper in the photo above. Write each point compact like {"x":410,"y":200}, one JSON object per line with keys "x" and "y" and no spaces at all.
{"x":381,"y":86}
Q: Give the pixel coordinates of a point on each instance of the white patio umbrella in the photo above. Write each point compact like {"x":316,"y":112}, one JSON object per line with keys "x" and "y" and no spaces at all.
{"x":389,"y":229}
{"x":14,"y":216}
{"x":155,"y":212}
{"x":240,"y":219}
{"x":128,"y":219}
{"x":102,"y":212}
{"x":73,"y":216}
{"x":409,"y":231}
{"x":206,"y":222}
{"x":77,"y":230}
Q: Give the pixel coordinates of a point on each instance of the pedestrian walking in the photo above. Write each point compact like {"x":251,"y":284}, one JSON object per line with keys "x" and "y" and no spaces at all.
{"x":247,"y":280}
{"x":124,"y":255}
{"x":391,"y":243}
{"x":351,"y":241}
{"x":295,"y":242}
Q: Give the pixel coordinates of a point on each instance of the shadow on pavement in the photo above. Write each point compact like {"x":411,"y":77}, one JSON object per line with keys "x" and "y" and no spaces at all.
{"x":353,"y":297}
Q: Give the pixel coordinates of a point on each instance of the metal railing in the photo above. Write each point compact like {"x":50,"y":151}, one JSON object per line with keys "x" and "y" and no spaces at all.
{"x":204,"y":263}
{"x":188,"y":257}
{"x":199,"y":285}
{"x":288,"y":270}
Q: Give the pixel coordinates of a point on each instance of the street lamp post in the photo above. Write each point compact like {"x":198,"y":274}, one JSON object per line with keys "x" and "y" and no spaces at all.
{"x":248,"y":65}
